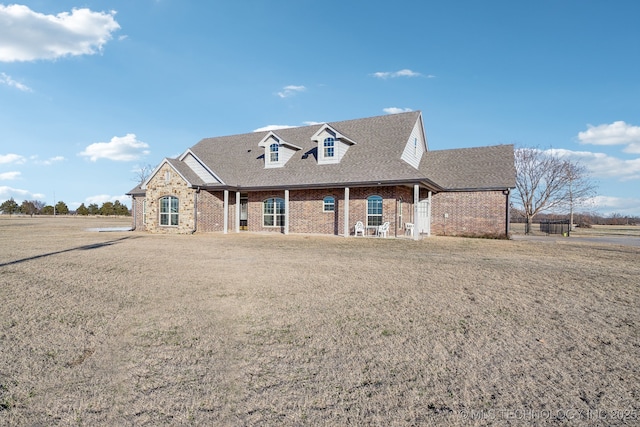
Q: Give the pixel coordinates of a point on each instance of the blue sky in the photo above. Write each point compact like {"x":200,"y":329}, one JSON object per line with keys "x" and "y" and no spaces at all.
{"x":92,"y":90}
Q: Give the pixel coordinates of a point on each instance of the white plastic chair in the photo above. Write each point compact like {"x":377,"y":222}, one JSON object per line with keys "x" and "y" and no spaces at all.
{"x":408,"y":229}
{"x":359,"y":228}
{"x":383,"y":230}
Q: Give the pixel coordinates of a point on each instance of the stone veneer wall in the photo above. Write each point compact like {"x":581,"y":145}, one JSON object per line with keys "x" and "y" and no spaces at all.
{"x":159,"y":187}
{"x":477,"y":213}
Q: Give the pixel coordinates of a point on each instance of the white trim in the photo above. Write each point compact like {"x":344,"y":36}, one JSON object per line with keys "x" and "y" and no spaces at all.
{"x":213,"y":174}
{"x":346,"y":212}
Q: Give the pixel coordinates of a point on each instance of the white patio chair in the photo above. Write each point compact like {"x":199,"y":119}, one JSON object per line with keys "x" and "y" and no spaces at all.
{"x":359,"y":228}
{"x":408,"y":229}
{"x":383,"y":230}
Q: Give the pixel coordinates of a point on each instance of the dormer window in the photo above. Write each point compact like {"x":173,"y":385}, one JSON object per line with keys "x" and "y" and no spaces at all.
{"x":332,"y":145}
{"x":273,"y":153}
{"x":277,"y":151}
{"x":329,"y":145}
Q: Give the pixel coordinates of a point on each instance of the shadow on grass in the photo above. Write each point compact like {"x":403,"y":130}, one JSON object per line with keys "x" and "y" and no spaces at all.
{"x":79,"y":248}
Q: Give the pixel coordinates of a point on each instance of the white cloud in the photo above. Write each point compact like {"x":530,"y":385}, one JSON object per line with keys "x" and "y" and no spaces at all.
{"x":401,"y":73}
{"x":11,"y":158}
{"x":18,"y":194}
{"x":121,"y":148}
{"x":604,"y":166}
{"x":273,"y":127}
{"x":7,"y":80}
{"x":610,"y":205}
{"x":50,"y":160}
{"x":396,"y":110}
{"x":616,"y":133}
{"x":290,"y":90}
{"x":8,"y":176}
{"x":27,"y":35}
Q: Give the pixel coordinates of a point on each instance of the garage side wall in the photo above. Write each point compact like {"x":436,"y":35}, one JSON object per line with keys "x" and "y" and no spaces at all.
{"x":478,"y":213}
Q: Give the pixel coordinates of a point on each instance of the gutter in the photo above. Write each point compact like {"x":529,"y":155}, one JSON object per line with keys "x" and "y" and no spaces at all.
{"x":426,"y":183}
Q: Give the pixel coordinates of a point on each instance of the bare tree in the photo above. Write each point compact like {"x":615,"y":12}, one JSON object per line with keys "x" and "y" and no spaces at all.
{"x":546,"y":181}
{"x":142,"y":173}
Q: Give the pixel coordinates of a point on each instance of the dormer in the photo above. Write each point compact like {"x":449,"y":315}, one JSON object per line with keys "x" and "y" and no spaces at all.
{"x":332,"y":145}
{"x":416,"y":145}
{"x":277,"y":151}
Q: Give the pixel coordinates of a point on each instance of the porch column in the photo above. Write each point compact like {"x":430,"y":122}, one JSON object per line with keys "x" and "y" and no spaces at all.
{"x":416,"y":212}
{"x":226,"y":211}
{"x":429,"y":225}
{"x":286,"y":211}
{"x":237,"y":212}
{"x":346,"y":212}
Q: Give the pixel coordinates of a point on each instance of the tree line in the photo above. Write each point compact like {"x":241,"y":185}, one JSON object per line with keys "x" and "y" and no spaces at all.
{"x":36,"y":207}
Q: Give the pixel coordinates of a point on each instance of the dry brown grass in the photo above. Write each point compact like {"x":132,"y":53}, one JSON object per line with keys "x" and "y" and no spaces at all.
{"x":131,"y":328}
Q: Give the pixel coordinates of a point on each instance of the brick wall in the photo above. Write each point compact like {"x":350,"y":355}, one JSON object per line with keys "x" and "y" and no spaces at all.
{"x":479,"y":213}
{"x":137,"y":206}
{"x":468,"y":213}
{"x":306,"y":209}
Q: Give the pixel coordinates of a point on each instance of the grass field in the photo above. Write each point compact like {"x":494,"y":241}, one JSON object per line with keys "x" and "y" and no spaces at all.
{"x":125,"y":328}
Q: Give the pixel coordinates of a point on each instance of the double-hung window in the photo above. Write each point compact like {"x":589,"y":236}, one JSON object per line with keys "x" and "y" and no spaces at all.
{"x":273,"y":214}
{"x":374,"y":211}
{"x":169,"y":208}
{"x":329,"y":204}
{"x":329,"y":147}
{"x":273,"y":153}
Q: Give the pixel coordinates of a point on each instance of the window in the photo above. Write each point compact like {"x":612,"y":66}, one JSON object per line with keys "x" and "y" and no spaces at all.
{"x":144,"y":211}
{"x":169,"y":211}
{"x":374,"y":211}
{"x":328,"y":204}
{"x":273,"y":212}
{"x":273,"y":153}
{"x":329,"y":144}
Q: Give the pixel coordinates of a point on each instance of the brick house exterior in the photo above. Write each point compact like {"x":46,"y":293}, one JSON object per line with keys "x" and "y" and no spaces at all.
{"x":322,"y":179}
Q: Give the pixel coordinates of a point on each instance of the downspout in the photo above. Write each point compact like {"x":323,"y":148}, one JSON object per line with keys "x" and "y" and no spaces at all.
{"x":507,"y":213}
{"x":195,"y":210}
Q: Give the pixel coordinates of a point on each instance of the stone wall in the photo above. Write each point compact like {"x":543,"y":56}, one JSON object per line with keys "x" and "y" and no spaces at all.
{"x":167,"y":182}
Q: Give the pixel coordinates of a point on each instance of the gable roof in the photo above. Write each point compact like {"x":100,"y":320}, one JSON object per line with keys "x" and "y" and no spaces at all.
{"x":374,"y":158}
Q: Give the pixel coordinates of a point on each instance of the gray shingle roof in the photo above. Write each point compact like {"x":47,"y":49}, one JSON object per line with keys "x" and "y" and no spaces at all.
{"x":375,"y":158}
{"x":238,"y":160}
{"x":471,"y":168}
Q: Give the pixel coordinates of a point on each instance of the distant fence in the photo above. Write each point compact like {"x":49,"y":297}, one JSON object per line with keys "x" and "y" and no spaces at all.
{"x":556,"y":227}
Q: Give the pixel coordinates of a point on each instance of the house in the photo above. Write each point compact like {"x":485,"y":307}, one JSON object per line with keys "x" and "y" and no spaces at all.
{"x":324,"y":178}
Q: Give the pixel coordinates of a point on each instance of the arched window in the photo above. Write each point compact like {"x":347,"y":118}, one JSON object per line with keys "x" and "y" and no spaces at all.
{"x":328,"y":204}
{"x":329,"y":145}
{"x":273,"y":153}
{"x":374,"y":211}
{"x":273,"y":214}
{"x":169,"y":207}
